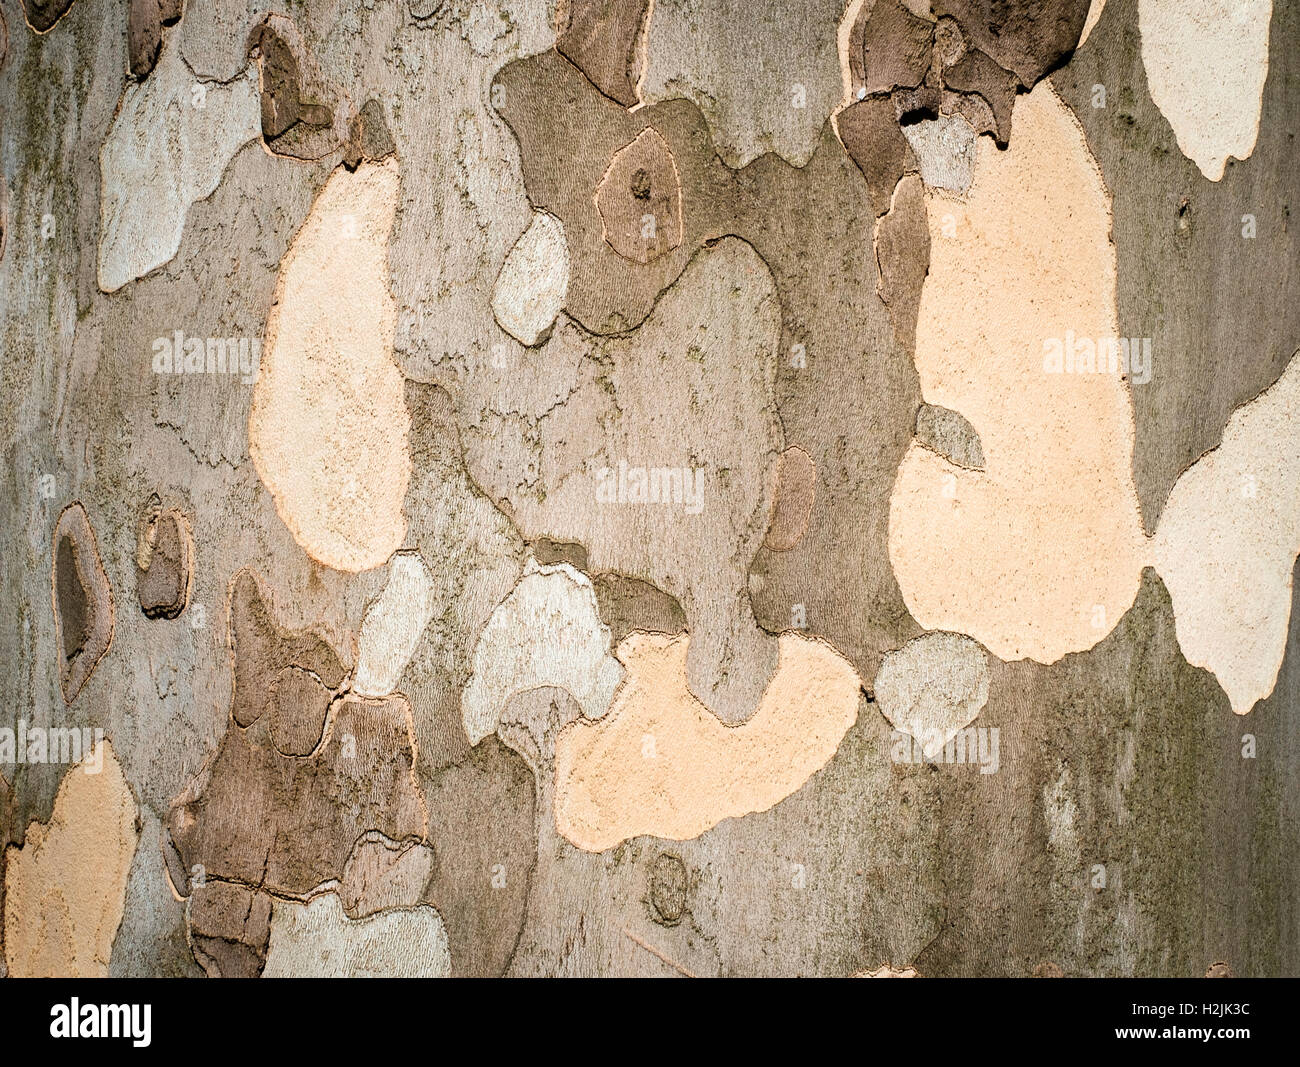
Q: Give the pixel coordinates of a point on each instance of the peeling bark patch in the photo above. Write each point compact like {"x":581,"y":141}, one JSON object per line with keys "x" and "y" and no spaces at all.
{"x":65,"y":888}
{"x":317,"y":940}
{"x":661,"y":763}
{"x":1039,"y":553}
{"x":298,"y":704}
{"x":874,"y":141}
{"x":945,"y":151}
{"x":640,"y":199}
{"x":228,"y":926}
{"x":297,"y":117}
{"x":945,"y":433}
{"x":975,"y":74}
{"x":164,"y":565}
{"x":271,"y":823}
{"x":1206,"y":63}
{"x":262,"y":650}
{"x":339,"y":463}
{"x":605,"y":39}
{"x":1028,"y":37}
{"x":162,"y":154}
{"x":547,"y":632}
{"x":889,"y":47}
{"x":382,"y":873}
{"x":533,"y":282}
{"x":393,"y":626}
{"x":902,"y":244}
{"x":1227,"y":544}
{"x":143,"y":36}
{"x":668,"y":885}
{"x":933,"y":688}
{"x":628,"y":604}
{"x":83,"y":601}
{"x":796,"y":481}
{"x":886,"y":971}
{"x":368,"y":136}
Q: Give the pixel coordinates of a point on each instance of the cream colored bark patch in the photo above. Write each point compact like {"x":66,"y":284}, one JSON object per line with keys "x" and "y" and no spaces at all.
{"x":328,"y":428}
{"x":317,"y":940}
{"x":163,"y":153}
{"x":1227,"y":545}
{"x":933,"y":687}
{"x":1094,"y":13}
{"x":534,"y":279}
{"x":662,"y":763}
{"x":1206,"y":64}
{"x":886,"y":971}
{"x":393,"y":626}
{"x":65,"y":889}
{"x":547,"y":632}
{"x":1039,"y":553}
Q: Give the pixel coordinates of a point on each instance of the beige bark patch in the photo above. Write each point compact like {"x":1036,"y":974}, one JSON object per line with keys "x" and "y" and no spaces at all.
{"x":1206,"y":63}
{"x":1094,"y":13}
{"x":534,"y":279}
{"x":1227,"y":544}
{"x":547,"y":632}
{"x":662,"y":763}
{"x":65,"y":889}
{"x":1041,"y":552}
{"x":316,"y":940}
{"x":933,"y":687}
{"x":328,"y":428}
{"x":393,"y":626}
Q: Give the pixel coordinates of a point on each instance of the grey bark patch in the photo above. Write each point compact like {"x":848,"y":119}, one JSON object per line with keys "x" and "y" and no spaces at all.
{"x":1170,"y":279}
{"x":949,"y":434}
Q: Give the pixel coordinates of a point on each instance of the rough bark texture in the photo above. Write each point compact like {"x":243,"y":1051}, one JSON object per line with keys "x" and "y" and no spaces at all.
{"x":649,"y":488}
